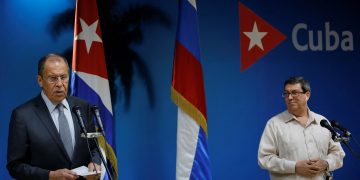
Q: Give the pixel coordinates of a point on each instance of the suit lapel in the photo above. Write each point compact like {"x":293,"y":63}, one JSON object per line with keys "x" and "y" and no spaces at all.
{"x":44,"y":115}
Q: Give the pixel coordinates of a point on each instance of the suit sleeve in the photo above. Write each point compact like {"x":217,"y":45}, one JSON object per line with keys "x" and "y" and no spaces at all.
{"x":17,"y":153}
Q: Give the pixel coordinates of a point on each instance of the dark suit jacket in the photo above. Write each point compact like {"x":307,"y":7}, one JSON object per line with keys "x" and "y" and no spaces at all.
{"x":34,"y":144}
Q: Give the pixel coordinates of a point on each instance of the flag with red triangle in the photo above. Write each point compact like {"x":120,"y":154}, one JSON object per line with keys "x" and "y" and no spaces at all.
{"x":257,"y":37}
{"x":89,"y":74}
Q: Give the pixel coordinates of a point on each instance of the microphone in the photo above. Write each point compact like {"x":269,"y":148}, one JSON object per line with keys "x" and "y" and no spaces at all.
{"x":342,"y":129}
{"x":335,"y":135}
{"x":95,"y":110}
{"x":76,"y":110}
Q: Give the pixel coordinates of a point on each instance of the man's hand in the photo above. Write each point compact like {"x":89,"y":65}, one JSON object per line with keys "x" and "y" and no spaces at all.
{"x":305,"y":168}
{"x":62,"y":174}
{"x":93,"y":167}
{"x":311,"y":168}
{"x":322,"y":165}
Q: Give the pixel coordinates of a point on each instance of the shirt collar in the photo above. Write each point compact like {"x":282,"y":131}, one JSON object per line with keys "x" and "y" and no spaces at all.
{"x":312,"y":119}
{"x":51,"y":107}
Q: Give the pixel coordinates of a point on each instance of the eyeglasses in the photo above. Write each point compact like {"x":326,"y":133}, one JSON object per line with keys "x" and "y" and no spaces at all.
{"x":56,"y":79}
{"x":292,"y":93}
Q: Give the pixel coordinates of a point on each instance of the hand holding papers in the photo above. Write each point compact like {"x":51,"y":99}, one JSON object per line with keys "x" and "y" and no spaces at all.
{"x":84,"y":171}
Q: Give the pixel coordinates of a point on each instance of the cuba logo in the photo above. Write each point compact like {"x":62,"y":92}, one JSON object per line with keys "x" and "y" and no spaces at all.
{"x":329,"y":40}
{"x":258,"y":37}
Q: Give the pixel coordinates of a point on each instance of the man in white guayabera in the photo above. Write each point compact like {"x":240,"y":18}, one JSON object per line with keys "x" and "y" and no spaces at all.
{"x":293,"y":144}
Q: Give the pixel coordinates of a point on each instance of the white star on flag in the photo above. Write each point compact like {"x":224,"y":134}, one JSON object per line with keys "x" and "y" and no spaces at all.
{"x":88,"y":34}
{"x":255,"y":37}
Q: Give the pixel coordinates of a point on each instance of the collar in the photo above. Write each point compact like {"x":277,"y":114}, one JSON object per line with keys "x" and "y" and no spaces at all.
{"x":289,"y":117}
{"x":51,"y":106}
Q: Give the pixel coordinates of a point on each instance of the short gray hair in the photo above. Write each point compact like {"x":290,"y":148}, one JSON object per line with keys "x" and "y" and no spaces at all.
{"x":42,"y":60}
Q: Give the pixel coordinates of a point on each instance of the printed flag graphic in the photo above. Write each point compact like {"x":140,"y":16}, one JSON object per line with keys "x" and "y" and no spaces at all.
{"x":187,"y":92}
{"x":257,"y":37}
{"x":89,"y":77}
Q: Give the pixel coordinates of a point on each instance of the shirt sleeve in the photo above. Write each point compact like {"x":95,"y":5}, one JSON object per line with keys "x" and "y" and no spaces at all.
{"x":268,"y":157}
{"x":335,"y":156}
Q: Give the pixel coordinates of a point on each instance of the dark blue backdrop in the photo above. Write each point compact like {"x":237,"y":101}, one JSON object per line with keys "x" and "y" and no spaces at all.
{"x":238,"y":103}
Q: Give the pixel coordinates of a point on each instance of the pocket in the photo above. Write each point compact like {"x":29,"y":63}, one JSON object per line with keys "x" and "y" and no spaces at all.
{"x":289,"y":139}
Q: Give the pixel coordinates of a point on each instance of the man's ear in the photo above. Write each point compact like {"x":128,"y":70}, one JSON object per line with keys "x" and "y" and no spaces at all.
{"x":40,"y":80}
{"x":308,"y":94}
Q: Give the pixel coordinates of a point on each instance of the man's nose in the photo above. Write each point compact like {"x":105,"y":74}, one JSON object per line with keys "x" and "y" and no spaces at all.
{"x":290,"y":96}
{"x":58,"y":82}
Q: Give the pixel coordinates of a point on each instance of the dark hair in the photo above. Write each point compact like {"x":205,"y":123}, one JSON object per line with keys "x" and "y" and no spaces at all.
{"x":42,"y":60}
{"x":305,"y":85}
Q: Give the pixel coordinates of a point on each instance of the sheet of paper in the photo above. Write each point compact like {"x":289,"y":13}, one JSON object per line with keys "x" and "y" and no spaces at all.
{"x":84,"y":171}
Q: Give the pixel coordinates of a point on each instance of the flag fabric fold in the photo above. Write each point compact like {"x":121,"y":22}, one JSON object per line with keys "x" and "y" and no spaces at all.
{"x":89,"y":75}
{"x":188,"y":93}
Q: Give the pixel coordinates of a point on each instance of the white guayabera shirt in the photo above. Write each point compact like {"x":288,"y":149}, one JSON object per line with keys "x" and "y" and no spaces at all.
{"x":285,"y":141}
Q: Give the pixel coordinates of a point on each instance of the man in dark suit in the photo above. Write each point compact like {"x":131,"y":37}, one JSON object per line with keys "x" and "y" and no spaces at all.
{"x":44,"y":136}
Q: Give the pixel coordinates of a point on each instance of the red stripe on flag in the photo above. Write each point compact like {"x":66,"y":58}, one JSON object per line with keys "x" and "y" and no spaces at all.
{"x":188,"y":78}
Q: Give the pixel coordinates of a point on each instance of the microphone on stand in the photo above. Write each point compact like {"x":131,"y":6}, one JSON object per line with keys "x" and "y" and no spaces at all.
{"x":95,"y":110}
{"x":342,"y":129}
{"x":335,"y":135}
{"x":77,"y":111}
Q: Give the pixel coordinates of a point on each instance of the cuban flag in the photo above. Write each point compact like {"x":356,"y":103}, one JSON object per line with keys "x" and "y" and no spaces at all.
{"x":187,"y":92}
{"x":89,"y":78}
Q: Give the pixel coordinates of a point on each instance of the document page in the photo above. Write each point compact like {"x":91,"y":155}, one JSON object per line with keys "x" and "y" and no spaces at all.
{"x":84,"y":171}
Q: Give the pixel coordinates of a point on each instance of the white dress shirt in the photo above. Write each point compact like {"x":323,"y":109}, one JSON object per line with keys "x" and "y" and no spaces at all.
{"x":55,"y":115}
{"x":285,"y":141}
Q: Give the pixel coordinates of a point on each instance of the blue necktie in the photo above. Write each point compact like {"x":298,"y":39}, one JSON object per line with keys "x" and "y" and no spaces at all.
{"x":64,"y":130}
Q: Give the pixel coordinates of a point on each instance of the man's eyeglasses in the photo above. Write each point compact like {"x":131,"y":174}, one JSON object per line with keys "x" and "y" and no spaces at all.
{"x":292,"y":93}
{"x":55,"y":79}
